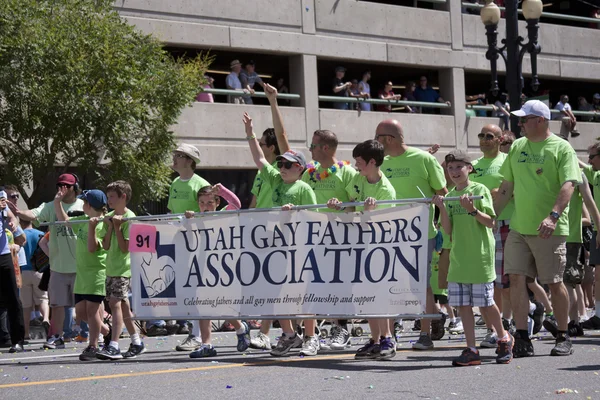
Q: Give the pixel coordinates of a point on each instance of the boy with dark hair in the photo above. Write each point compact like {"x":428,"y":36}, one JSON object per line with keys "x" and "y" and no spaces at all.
{"x":261,"y":190}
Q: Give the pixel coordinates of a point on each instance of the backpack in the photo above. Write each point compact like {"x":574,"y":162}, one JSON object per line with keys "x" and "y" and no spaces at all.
{"x":39,"y":260}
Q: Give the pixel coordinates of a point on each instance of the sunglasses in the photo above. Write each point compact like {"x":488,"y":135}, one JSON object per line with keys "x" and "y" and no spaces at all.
{"x":378,"y":136}
{"x":59,"y":185}
{"x":486,"y":136}
{"x":180,"y":156}
{"x":315,"y":145}
{"x":285,"y":164}
{"x":523,"y":120}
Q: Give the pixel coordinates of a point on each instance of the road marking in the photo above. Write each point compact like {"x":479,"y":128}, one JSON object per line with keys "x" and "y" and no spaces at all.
{"x":39,"y":357}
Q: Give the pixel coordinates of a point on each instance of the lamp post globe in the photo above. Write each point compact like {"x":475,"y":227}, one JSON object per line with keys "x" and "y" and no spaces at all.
{"x":490,"y":13}
{"x":532,"y":9}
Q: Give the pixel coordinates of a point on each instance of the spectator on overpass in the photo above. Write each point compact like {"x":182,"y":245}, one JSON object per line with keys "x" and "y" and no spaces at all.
{"x":409,"y":95}
{"x":568,"y":121}
{"x":233,"y":81}
{"x":426,"y":93}
{"x":249,"y":78}
{"x":584,"y":106}
{"x":387,"y":93}
{"x":281,"y":88}
{"x":340,"y":88}
{"x":365,"y":90}
{"x":204,"y":97}
{"x":596,"y":105}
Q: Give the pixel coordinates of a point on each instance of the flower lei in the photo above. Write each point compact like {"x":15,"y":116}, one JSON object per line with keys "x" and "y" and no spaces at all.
{"x":316,"y":176}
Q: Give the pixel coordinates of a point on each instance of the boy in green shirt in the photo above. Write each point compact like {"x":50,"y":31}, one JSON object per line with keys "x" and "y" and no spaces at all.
{"x":118,"y":272}
{"x":472,"y":273}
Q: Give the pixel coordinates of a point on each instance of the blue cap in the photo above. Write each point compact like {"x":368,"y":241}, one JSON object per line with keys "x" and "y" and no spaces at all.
{"x":95,"y":198}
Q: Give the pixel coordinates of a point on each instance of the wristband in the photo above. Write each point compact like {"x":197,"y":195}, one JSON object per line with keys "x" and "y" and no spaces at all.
{"x":473,"y":213}
{"x":250,"y":137}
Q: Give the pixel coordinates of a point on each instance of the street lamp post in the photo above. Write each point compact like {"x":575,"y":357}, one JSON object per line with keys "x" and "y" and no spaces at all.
{"x":513,"y":48}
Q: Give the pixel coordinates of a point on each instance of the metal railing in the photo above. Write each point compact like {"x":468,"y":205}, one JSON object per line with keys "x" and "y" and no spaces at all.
{"x":338,"y":99}
{"x":544,"y":15}
{"x":240,"y":93}
{"x":552,"y":111}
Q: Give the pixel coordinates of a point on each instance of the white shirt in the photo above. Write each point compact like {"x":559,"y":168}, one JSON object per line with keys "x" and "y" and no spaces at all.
{"x":560,"y":106}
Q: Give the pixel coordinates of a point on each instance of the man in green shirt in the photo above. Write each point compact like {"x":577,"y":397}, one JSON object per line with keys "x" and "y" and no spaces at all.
{"x":261,"y":191}
{"x":541,"y":170}
{"x":414,"y":173}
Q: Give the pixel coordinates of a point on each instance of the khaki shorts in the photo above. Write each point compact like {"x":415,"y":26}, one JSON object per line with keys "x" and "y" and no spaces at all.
{"x":533,"y":257}
{"x":117,"y":287}
{"x":30,"y":293}
{"x":60,"y":289}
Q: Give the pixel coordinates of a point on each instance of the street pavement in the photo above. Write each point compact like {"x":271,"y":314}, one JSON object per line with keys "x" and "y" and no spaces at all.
{"x":163,"y":372}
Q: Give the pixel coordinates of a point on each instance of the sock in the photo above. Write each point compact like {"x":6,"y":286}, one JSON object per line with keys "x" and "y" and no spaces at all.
{"x":505,"y":337}
{"x":101,"y":338}
{"x":240,"y":331}
{"x":523,"y":334}
{"x":453,"y":320}
{"x":114,"y":344}
{"x":474,"y":350}
{"x":135,"y":339}
{"x":532,"y":308}
{"x":196,"y":328}
{"x":598,"y":312}
{"x":493,"y":332}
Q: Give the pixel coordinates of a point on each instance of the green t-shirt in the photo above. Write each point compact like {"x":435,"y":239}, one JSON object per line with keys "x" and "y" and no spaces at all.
{"x":594,"y":180}
{"x":334,"y":185}
{"x":487,"y":171}
{"x":91,"y":267}
{"x":415,"y":169}
{"x":262,"y":190}
{"x":447,"y":244}
{"x":538,"y":170}
{"x":360,"y":189}
{"x":575,"y":223}
{"x":183,"y":195}
{"x":117,"y":262}
{"x":435,"y":271}
{"x":297,"y":193}
{"x":472,"y":258}
{"x":63,"y":239}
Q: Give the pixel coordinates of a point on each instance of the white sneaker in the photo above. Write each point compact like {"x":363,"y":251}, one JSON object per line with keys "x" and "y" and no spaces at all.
{"x":341,"y":339}
{"x":310,"y":347}
{"x":285,"y":344}
{"x":260,"y":342}
{"x":456,"y":328}
{"x":490,"y":340}
{"x":190,"y":343}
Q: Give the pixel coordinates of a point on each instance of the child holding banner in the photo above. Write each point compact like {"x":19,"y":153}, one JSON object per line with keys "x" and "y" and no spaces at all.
{"x":472,"y":272}
{"x":89,"y":288}
{"x":370,"y":185}
{"x":288,"y":189}
{"x":118,"y":272}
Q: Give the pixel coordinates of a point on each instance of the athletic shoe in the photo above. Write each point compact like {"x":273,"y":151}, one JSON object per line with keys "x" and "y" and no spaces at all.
{"x":398,"y":328}
{"x":490,"y":340}
{"x":387,"y":349}
{"x":480,"y":322}
{"x":467,"y":358}
{"x":156,"y":330}
{"x":253,"y":324}
{"x":260,"y":342}
{"x":592,"y":323}
{"x":17,"y":348}
{"x":183,"y":330}
{"x":575,"y":329}
{"x":340,"y":338}
{"x":109,"y":353}
{"x":537,"y":316}
{"x":424,"y":343}
{"x":417,"y":326}
{"x":365,"y":351}
{"x":134,"y":350}
{"x":172,"y":329}
{"x":456,"y":328}
{"x":310,"y":347}
{"x":522,"y":347}
{"x":551,"y":325}
{"x":55,"y":342}
{"x":89,"y":354}
{"x":206,"y":350}
{"x":563,"y":347}
{"x":81,"y":339}
{"x":509,"y":325}
{"x":437,"y":328}
{"x":285,"y":344}
{"x":190,"y":343}
{"x":243,"y":338}
{"x":505,"y":350}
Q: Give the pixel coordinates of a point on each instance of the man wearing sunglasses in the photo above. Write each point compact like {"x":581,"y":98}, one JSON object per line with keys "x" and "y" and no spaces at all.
{"x":541,"y":170}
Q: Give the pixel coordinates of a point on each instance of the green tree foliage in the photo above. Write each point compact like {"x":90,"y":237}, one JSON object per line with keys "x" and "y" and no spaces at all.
{"x":80,"y":87}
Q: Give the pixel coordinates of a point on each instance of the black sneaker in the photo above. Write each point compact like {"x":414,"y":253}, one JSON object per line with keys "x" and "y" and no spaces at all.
{"x":505,"y":350}
{"x":537,"y":316}
{"x":522,"y":347}
{"x":437,"y":328}
{"x":134,"y":350}
{"x":592,"y":323}
{"x":109,"y":353}
{"x":17,"y":348}
{"x":551,"y":325}
{"x":417,"y":326}
{"x":156,"y":330}
{"x":563,"y":347}
{"x":467,"y":358}
{"x":575,"y":329}
{"x":89,"y":354}
{"x":172,"y":329}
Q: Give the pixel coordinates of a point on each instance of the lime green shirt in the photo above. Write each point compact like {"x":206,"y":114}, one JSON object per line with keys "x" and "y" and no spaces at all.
{"x":117,"y":262}
{"x":262,"y":191}
{"x":594,"y":179}
{"x":487,"y":171}
{"x":538,"y":170}
{"x":575,"y":223}
{"x":332,"y":186}
{"x":91,"y":267}
{"x":183,"y":195}
{"x":473,"y":245}
{"x":297,"y":193}
{"x":63,"y":239}
{"x":360,"y":189}
{"x":415,"y":169}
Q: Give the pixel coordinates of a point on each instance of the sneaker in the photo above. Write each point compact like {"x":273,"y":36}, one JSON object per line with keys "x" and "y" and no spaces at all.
{"x":285,"y":344}
{"x":424,"y":343}
{"x":243,"y":338}
{"x":456,"y":328}
{"x":172,"y":329}
{"x":81,"y":339}
{"x":190,"y":343}
{"x":365,"y":351}
{"x":183,"y":330}
{"x":206,"y":350}
{"x":480,"y":322}
{"x":537,"y":316}
{"x":340,"y":338}
{"x":505,"y":350}
{"x":467,"y":358}
{"x":563,"y":347}
{"x":522,"y":347}
{"x":398,"y":328}
{"x":437,"y":328}
{"x":575,"y":329}
{"x":490,"y":341}
{"x":109,"y":353}
{"x":592,"y":323}
{"x":253,"y":324}
{"x":17,"y":348}
{"x":89,"y":354}
{"x":417,"y":326}
{"x":156,"y":330}
{"x":55,"y":342}
{"x":551,"y":325}
{"x":310,"y":347}
{"x":260,"y":342}
{"x":387,"y":349}
{"x":134,"y":350}
{"x":575,"y":133}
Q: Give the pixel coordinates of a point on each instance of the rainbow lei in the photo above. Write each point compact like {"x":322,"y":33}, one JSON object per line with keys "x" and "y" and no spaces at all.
{"x":316,"y":176}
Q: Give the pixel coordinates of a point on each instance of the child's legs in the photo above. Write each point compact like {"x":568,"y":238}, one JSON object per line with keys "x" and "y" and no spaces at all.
{"x":265,"y":326}
{"x":429,"y":309}
{"x":498,"y":298}
{"x":580,"y":301}
{"x":81,"y":310}
{"x":374,"y":326}
{"x":310,"y":326}
{"x":540,"y":295}
{"x":506,"y":304}
{"x":492,"y":315}
{"x":468,"y":320}
{"x":287,"y":327}
{"x":384,"y":327}
{"x":205,"y":331}
{"x":117,"y":291}
{"x":128,"y":317}
{"x":94,"y":321}
{"x":117,"y":318}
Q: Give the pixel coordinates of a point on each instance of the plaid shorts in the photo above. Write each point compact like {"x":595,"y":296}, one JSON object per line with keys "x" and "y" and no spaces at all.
{"x":117,"y":287}
{"x":471,"y":294}
{"x":501,"y":278}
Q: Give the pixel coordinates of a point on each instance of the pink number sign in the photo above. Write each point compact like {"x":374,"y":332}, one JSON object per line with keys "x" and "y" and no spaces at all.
{"x":142,"y":238}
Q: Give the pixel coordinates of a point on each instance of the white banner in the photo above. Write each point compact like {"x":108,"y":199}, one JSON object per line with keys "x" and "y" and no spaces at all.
{"x":282,"y":263}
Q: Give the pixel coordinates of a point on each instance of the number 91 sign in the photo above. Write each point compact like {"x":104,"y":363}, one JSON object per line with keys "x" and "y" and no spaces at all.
{"x":142,"y":238}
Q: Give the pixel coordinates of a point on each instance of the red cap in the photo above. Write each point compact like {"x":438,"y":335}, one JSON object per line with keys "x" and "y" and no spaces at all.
{"x":67,"y":179}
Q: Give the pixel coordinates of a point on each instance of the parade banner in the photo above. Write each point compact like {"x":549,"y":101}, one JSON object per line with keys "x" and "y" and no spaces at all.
{"x":277,"y":263}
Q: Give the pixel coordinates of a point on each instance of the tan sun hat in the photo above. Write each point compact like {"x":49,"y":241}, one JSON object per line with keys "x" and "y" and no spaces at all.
{"x":189,"y":150}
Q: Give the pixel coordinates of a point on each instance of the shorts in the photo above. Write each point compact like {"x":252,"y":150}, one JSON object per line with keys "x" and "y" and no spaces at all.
{"x":594,"y":252}
{"x":60,"y":289}
{"x":117,"y":287}
{"x":500,"y":235}
{"x":94,"y":298}
{"x":532,"y":256}
{"x":574,"y":270}
{"x":30,"y":292}
{"x":430,"y":250}
{"x":471,"y":294}
{"x":440,"y":298}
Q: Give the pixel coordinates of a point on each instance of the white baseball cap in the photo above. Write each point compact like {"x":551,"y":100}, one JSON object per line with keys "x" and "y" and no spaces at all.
{"x":533,"y":107}
{"x":597,"y":96}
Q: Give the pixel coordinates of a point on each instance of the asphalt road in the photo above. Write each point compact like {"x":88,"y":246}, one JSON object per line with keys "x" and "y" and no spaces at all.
{"x":163,"y":372}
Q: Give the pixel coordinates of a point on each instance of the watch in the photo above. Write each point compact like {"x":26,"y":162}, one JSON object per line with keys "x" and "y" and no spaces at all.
{"x":555,"y":215}
{"x":473,"y":213}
